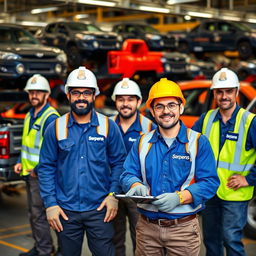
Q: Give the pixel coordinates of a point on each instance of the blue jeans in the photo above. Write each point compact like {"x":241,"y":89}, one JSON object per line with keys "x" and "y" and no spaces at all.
{"x":223,"y":224}
{"x":99,"y":234}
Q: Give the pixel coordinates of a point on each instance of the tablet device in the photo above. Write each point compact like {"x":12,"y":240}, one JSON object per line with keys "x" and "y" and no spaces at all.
{"x":137,"y":199}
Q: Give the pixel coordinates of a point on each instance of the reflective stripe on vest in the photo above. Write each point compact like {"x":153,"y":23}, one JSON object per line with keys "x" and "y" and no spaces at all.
{"x":62,"y":126}
{"x":233,"y":158}
{"x":191,"y":147}
{"x":32,"y":140}
{"x":146,"y":124}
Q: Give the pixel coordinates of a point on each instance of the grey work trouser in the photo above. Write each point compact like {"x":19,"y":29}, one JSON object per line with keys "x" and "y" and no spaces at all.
{"x":37,"y":217}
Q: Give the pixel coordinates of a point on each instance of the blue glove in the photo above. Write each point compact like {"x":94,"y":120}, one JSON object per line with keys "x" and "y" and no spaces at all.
{"x":139,"y":190}
{"x":167,"y":201}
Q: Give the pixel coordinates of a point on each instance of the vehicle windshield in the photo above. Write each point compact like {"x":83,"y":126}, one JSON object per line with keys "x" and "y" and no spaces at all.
{"x":243,"y":27}
{"x":149,"y":29}
{"x":83,"y":27}
{"x":21,"y":36}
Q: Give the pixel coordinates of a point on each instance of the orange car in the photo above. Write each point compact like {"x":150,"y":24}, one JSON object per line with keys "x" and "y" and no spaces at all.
{"x":200,"y":98}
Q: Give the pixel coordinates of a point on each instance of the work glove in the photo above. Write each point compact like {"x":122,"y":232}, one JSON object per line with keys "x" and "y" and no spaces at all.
{"x":52,"y":214}
{"x":167,"y":201}
{"x":138,"y":190}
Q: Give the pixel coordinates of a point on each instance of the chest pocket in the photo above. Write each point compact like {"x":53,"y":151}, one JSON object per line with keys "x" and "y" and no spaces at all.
{"x":181,"y":165}
{"x":66,"y":145}
{"x":97,"y":149}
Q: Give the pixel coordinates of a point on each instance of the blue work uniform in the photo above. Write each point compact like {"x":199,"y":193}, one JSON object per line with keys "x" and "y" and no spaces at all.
{"x":128,"y":208}
{"x":77,"y":173}
{"x":134,"y":131}
{"x":167,"y":169}
{"x":223,"y":221}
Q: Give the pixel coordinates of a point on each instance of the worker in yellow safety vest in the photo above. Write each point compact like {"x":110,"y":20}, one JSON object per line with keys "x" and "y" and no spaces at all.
{"x":36,"y":121}
{"x":231,"y":132}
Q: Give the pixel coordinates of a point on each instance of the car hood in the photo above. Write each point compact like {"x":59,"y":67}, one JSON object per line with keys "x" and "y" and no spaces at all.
{"x":25,"y":48}
{"x":97,"y":33}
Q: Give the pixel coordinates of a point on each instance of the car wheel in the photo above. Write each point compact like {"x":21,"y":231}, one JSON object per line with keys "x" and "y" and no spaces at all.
{"x":74,"y":57}
{"x":183,"y":47}
{"x":250,"y":228}
{"x":245,"y":50}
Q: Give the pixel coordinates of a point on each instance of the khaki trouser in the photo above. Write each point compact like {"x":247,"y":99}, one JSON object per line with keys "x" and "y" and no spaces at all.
{"x":183,"y":239}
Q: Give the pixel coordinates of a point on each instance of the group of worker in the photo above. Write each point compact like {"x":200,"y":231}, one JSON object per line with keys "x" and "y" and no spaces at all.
{"x":74,"y":165}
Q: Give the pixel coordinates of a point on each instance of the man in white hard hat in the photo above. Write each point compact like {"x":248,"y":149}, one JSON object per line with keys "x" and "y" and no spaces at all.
{"x":36,"y":121}
{"x":231,"y":132}
{"x":80,"y":164}
{"x":127,"y":97}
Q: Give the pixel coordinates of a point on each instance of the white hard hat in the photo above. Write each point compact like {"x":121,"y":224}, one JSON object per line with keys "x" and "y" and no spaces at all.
{"x":126,"y":87}
{"x":225,"y":78}
{"x":37,"y":82}
{"x":82,"y":77}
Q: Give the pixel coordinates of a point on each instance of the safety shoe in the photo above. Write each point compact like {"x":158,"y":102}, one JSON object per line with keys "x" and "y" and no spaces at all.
{"x":32,"y":252}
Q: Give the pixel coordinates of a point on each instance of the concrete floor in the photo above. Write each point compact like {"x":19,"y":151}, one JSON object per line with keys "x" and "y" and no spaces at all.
{"x":15,"y":233}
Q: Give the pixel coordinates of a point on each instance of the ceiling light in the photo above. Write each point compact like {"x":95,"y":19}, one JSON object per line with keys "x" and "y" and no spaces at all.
{"x":232,"y":18}
{"x":95,"y":2}
{"x":251,"y":20}
{"x":200,"y":14}
{"x":41,"y":10}
{"x":153,"y":9}
{"x":180,"y":1}
{"x":81,"y":16}
{"x":33,"y":23}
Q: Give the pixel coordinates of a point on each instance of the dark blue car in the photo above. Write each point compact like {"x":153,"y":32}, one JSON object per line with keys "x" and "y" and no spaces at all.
{"x":218,"y":36}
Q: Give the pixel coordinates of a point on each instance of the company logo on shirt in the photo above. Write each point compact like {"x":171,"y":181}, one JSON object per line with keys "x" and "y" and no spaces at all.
{"x":36,"y":127}
{"x":132,"y":139}
{"x":232,"y":136}
{"x":95,"y":138}
{"x":180,"y":157}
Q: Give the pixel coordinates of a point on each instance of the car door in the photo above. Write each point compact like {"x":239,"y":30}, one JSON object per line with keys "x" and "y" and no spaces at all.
{"x":48,"y":37}
{"x":205,"y":38}
{"x":226,"y":36}
{"x":61,"y":35}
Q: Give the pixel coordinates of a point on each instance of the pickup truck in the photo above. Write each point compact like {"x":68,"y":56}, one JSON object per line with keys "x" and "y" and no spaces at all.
{"x":10,"y":136}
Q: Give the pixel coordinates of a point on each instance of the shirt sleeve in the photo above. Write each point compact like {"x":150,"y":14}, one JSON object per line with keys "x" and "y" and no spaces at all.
{"x":206,"y":178}
{"x":198,"y":125}
{"x":251,"y":143}
{"x":49,"y":119}
{"x":132,"y":172}
{"x":47,"y":166}
{"x":116,"y":155}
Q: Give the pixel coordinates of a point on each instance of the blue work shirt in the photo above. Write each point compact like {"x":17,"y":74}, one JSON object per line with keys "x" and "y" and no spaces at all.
{"x":228,"y":127}
{"x":77,"y":173}
{"x":134,"y":131}
{"x":166,"y":174}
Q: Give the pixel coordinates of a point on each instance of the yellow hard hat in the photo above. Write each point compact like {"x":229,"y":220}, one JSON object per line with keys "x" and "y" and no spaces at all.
{"x":164,"y":88}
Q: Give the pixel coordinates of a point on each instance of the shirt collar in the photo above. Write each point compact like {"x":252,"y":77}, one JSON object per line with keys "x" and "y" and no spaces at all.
{"x":136,"y":125}
{"x":232,"y":120}
{"x":181,"y":137}
{"x":93,"y":122}
{"x":32,"y":111}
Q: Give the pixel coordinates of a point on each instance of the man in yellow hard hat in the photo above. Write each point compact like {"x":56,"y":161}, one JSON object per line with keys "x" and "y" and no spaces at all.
{"x":173,"y":164}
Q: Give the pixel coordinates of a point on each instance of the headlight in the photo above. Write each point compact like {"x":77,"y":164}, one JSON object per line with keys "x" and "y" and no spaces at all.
{"x":193,"y":68}
{"x":251,"y":65}
{"x":153,"y":37}
{"x":62,"y":57}
{"x":9,"y":56}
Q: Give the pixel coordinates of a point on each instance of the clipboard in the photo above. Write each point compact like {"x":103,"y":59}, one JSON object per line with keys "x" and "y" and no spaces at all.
{"x":137,"y":199}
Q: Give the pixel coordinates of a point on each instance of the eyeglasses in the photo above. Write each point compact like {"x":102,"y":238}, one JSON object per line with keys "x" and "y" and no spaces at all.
{"x":170,"y":106}
{"x":85,"y":94}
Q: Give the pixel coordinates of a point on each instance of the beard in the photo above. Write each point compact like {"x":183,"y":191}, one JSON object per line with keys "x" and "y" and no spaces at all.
{"x":81,"y":111}
{"x":128,"y":115}
{"x":38,"y":103}
{"x":167,"y":126}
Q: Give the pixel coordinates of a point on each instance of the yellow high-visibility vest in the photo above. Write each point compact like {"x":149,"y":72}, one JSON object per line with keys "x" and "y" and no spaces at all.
{"x":233,"y":158}
{"x":32,"y":140}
